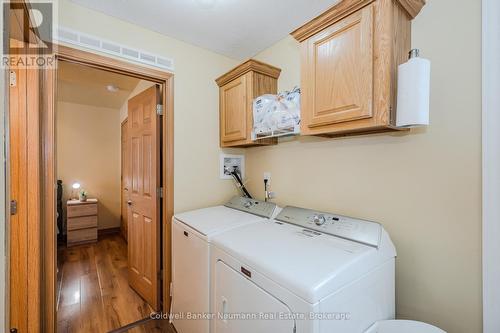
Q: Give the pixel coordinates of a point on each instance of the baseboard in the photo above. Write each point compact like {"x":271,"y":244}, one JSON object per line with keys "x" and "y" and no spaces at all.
{"x":108,"y":231}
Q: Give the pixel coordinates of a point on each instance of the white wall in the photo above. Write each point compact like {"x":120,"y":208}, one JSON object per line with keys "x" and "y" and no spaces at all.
{"x":424,"y":187}
{"x":196,"y":99}
{"x":491,"y":166}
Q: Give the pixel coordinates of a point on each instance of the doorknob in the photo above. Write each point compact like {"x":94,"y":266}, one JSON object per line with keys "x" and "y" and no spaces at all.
{"x":129,"y":202}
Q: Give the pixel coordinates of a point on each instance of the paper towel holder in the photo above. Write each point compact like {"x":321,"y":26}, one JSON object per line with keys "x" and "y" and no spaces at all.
{"x":412,"y":105}
{"x":414,"y":53}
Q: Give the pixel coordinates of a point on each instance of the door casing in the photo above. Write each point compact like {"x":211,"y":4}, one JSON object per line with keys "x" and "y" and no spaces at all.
{"x":124,"y":184}
{"x":48,"y":171}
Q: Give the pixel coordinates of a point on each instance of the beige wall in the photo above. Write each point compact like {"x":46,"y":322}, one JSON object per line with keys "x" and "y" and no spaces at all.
{"x":196,"y":99}
{"x":424,"y":187}
{"x":88,"y":152}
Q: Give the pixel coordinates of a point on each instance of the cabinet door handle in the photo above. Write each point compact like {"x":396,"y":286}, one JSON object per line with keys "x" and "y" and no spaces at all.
{"x":129,"y":202}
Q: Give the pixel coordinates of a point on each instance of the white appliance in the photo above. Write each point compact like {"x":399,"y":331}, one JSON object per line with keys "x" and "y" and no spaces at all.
{"x":406,"y":326}
{"x":191,"y":235}
{"x":304,"y":272}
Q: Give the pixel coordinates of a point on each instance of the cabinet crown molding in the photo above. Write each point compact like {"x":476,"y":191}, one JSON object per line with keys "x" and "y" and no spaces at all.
{"x":345,"y":8}
{"x":248,"y":66}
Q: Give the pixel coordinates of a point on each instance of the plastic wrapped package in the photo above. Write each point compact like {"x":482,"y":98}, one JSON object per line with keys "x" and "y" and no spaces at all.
{"x":261,"y":108}
{"x":277,"y":114}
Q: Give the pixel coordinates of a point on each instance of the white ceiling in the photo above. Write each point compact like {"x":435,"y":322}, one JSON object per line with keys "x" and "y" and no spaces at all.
{"x":236,"y":28}
{"x":86,"y":85}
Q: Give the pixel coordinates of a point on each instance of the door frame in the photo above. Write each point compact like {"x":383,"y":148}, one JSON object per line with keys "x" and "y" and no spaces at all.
{"x":123,"y":123}
{"x":48,"y":174}
{"x":491,"y":164}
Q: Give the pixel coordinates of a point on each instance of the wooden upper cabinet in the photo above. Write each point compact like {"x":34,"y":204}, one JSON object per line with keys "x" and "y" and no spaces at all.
{"x":349,"y":60}
{"x":237,"y":90}
{"x":233,"y":110}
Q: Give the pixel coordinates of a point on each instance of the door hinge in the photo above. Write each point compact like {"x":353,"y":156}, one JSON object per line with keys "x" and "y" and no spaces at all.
{"x":171,"y":289}
{"x":13,"y":79}
{"x":159,"y":109}
{"x":160,"y":192}
{"x":13,"y":207}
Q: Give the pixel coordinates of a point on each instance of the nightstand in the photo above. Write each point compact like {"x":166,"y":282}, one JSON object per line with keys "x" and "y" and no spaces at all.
{"x":81,"y":226}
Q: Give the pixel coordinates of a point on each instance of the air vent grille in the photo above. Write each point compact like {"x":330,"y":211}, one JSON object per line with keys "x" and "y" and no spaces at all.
{"x":89,"y":41}
{"x":98,"y":44}
{"x":111,"y":47}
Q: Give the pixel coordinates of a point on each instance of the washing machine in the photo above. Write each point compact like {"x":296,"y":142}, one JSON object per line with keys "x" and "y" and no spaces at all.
{"x":191,"y":244}
{"x":303,"y":272}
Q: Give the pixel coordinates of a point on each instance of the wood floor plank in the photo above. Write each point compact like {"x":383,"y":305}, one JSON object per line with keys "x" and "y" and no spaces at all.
{"x":153,"y":326}
{"x":94,"y":294}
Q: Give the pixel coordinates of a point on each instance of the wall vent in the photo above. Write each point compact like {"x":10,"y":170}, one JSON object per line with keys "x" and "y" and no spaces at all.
{"x":98,"y":44}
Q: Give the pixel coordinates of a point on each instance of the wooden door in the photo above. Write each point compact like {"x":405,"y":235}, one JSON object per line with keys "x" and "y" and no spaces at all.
{"x":144,"y":202}
{"x":24,"y":193}
{"x":125,"y":179}
{"x":233,"y":100}
{"x":24,"y":189}
{"x":338,"y":72}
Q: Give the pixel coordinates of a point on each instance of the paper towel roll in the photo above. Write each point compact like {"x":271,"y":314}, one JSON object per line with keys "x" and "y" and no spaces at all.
{"x":414,"y":78}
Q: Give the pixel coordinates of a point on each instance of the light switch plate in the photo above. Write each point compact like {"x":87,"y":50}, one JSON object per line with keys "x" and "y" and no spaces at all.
{"x":231,"y":161}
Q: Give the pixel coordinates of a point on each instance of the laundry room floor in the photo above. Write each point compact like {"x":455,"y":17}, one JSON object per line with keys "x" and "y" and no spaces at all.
{"x":152,"y":326}
{"x":93,"y":291}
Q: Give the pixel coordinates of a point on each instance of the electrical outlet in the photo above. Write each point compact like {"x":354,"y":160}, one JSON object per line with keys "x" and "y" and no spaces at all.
{"x":229,"y":162}
{"x":267,"y":175}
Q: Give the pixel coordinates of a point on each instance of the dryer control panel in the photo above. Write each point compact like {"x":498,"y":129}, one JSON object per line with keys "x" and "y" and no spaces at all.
{"x":252,"y":206}
{"x":357,"y":230}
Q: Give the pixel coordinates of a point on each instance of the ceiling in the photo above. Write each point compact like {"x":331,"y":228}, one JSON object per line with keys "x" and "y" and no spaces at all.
{"x":86,"y":85}
{"x":238,"y":29}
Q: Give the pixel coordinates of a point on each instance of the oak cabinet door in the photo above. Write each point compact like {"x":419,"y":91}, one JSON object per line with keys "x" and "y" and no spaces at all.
{"x":233,"y":99}
{"x":338,"y":73}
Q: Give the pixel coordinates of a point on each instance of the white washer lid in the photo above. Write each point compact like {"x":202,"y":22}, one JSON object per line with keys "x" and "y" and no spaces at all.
{"x":309,"y":264}
{"x":212,"y":220}
{"x":406,"y":326}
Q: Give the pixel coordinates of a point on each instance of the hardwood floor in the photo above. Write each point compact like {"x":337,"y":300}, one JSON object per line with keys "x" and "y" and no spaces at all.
{"x":93,"y":291}
{"x":151,"y":326}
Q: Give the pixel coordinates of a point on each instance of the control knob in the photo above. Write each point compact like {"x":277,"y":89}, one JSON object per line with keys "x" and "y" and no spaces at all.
{"x":319,"y":219}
